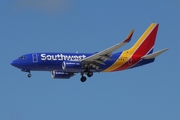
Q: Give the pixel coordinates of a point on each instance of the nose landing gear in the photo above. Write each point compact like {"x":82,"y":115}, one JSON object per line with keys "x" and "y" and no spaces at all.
{"x":29,"y":75}
{"x":29,"y":72}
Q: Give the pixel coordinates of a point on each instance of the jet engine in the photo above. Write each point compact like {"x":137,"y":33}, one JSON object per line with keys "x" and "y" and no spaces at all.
{"x":69,"y":65}
{"x":61,"y":75}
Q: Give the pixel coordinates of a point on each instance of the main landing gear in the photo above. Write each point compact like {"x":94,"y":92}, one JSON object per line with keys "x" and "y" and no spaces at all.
{"x":90,"y":74}
{"x":83,"y":78}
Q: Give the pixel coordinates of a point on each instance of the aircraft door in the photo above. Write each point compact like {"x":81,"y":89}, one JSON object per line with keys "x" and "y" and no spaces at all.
{"x":130,"y":61}
{"x":34,"y":58}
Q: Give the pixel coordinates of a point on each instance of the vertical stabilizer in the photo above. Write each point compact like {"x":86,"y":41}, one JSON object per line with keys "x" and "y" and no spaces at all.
{"x":146,"y":42}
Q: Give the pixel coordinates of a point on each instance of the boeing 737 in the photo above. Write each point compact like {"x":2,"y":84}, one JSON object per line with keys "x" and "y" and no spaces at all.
{"x":66,"y":65}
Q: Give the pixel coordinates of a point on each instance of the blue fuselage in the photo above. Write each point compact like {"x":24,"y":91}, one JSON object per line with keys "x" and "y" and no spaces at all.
{"x":53,"y":61}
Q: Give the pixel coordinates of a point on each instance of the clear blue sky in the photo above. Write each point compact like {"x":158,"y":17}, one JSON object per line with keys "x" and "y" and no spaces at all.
{"x":150,"y":92}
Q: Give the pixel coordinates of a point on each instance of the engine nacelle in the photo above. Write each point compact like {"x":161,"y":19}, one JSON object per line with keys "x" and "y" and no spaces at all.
{"x":61,"y":75}
{"x":69,"y":65}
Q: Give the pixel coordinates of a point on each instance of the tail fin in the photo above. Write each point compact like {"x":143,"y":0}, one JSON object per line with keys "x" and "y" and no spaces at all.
{"x":145,"y":44}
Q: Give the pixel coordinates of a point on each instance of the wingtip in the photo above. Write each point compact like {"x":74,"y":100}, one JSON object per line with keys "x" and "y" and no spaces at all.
{"x":128,"y":38}
{"x":166,"y":49}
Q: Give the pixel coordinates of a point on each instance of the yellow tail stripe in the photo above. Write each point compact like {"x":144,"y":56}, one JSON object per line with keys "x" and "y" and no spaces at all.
{"x":118,"y":62}
{"x":142,"y":38}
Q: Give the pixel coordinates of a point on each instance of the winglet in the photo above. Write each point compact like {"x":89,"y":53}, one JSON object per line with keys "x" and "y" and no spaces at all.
{"x":155,"y":54}
{"x":128,"y":38}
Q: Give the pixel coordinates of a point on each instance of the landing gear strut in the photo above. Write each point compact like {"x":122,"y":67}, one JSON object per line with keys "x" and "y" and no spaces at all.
{"x":83,"y":78}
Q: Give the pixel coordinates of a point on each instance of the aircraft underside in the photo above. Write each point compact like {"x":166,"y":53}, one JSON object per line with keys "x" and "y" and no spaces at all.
{"x":59,"y":73}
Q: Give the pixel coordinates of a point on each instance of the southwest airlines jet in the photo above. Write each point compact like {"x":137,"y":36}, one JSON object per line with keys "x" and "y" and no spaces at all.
{"x":66,"y":65}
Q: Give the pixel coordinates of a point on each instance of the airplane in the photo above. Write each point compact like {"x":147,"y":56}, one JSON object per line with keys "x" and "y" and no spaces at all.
{"x":66,"y":65}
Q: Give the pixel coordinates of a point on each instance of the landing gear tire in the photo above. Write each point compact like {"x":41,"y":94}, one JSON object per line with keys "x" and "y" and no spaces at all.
{"x":29,"y":75}
{"x":90,"y":74}
{"x":83,"y":79}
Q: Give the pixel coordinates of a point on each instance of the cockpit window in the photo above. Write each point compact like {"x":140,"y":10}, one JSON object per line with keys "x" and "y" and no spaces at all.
{"x":22,"y":57}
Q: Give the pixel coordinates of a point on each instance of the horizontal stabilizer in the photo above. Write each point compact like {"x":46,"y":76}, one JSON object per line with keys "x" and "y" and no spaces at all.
{"x":155,"y":54}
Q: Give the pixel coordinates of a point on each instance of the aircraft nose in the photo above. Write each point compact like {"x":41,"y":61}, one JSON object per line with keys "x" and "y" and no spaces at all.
{"x":14,"y":63}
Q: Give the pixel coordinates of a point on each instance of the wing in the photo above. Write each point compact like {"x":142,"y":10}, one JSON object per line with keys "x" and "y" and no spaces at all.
{"x":100,"y":57}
